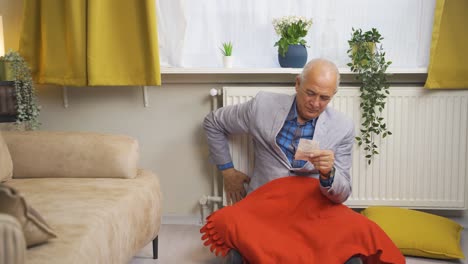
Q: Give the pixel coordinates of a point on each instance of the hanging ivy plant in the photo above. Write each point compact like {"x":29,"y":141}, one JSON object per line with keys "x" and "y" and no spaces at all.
{"x":26,"y":102}
{"x":368,"y":62}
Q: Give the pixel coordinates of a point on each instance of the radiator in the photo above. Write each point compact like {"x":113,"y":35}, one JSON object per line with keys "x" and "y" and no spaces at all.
{"x":421,"y":166}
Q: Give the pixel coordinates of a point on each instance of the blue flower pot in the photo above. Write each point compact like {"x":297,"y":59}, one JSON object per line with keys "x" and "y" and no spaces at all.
{"x":295,"y":57}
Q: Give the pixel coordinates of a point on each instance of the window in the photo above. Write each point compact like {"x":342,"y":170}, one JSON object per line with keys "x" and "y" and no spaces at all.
{"x":191,"y":32}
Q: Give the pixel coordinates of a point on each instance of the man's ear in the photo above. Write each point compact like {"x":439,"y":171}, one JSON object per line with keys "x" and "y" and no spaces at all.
{"x":298,"y":82}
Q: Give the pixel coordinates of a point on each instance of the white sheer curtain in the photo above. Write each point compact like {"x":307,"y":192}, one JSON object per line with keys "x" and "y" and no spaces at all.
{"x":191,"y":32}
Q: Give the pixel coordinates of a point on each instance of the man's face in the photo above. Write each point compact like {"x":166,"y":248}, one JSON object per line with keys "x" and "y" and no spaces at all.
{"x":313,"y":95}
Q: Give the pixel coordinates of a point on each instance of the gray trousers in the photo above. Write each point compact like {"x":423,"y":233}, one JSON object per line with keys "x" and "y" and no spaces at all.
{"x":233,"y":257}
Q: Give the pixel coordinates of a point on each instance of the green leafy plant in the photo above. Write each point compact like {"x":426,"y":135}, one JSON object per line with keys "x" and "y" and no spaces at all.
{"x":26,"y":101}
{"x":226,"y":49}
{"x":369,"y":63}
{"x":292,"y":30}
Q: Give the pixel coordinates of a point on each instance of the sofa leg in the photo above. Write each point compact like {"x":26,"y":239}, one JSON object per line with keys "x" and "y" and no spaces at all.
{"x":155,"y":248}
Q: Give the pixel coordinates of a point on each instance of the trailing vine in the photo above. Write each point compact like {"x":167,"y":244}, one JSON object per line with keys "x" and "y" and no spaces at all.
{"x":26,"y":101}
{"x":368,"y":61}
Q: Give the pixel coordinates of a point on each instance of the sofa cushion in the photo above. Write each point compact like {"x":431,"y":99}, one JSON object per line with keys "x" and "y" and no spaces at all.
{"x":6,"y":165}
{"x":98,"y":220}
{"x":35,"y":228}
{"x":37,"y":154}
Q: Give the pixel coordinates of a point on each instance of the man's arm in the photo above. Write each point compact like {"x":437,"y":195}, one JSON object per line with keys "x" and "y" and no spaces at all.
{"x":218,"y":126}
{"x":334,"y":168}
{"x":340,"y":189}
{"x":221,"y":123}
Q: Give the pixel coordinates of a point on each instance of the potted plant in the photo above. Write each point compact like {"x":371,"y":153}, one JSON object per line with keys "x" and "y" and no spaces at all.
{"x":292,"y":52}
{"x":26,"y":101}
{"x":226,"y":50}
{"x":369,"y":63}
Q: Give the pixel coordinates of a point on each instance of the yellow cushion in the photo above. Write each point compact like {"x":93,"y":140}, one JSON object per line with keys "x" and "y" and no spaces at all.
{"x":417,"y":233}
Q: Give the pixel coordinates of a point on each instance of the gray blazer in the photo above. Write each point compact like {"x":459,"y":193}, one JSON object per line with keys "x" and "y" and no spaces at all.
{"x":262,"y":118}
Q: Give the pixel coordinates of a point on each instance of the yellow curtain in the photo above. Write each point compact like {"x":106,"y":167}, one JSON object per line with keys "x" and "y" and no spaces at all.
{"x":89,"y":42}
{"x":448,"y":67}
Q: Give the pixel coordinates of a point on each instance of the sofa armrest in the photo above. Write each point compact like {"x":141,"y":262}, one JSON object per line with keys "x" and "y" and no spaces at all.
{"x":47,"y":154}
{"x":13,"y":245}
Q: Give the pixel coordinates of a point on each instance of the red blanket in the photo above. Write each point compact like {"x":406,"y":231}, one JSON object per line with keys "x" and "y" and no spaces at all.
{"x":289,"y":220}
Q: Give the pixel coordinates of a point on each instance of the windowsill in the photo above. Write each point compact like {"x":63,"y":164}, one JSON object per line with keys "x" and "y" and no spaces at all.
{"x":174,"y":70}
{"x":273,"y":75}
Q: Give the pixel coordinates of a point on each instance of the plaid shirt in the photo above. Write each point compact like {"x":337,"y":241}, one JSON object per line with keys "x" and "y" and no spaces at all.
{"x":288,"y":140}
{"x":289,"y":135}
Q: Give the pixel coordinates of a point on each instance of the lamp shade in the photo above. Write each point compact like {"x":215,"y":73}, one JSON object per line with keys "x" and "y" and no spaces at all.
{"x":2,"y":45}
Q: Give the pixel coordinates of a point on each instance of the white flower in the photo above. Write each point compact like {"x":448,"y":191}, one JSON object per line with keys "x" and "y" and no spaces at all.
{"x":283,"y":23}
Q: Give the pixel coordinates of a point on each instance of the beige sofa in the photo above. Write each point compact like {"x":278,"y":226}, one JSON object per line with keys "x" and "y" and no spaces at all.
{"x":89,"y":190}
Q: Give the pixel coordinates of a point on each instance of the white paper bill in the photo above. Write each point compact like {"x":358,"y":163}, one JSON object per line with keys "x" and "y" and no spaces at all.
{"x":305,"y":148}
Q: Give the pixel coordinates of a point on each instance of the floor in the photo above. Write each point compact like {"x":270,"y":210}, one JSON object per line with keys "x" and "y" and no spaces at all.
{"x":178,"y":244}
{"x":181,"y":244}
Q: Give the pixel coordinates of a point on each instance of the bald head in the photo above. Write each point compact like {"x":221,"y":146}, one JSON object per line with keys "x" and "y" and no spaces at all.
{"x":315,"y":87}
{"x":320,"y":68}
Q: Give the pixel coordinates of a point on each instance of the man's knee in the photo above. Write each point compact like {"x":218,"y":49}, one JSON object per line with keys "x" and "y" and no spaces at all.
{"x":354,"y":260}
{"x":233,"y":257}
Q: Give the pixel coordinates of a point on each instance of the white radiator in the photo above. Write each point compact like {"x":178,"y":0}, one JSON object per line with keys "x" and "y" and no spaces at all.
{"x":422,"y":165}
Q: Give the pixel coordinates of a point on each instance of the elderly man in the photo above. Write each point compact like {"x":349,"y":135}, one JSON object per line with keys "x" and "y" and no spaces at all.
{"x":276,"y":123}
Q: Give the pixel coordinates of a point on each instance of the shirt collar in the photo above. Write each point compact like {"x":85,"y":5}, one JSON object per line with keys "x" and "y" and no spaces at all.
{"x":292,"y":116}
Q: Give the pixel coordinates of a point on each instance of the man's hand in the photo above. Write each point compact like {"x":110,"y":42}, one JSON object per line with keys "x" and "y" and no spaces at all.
{"x":322,"y":160}
{"x":234,"y":185}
